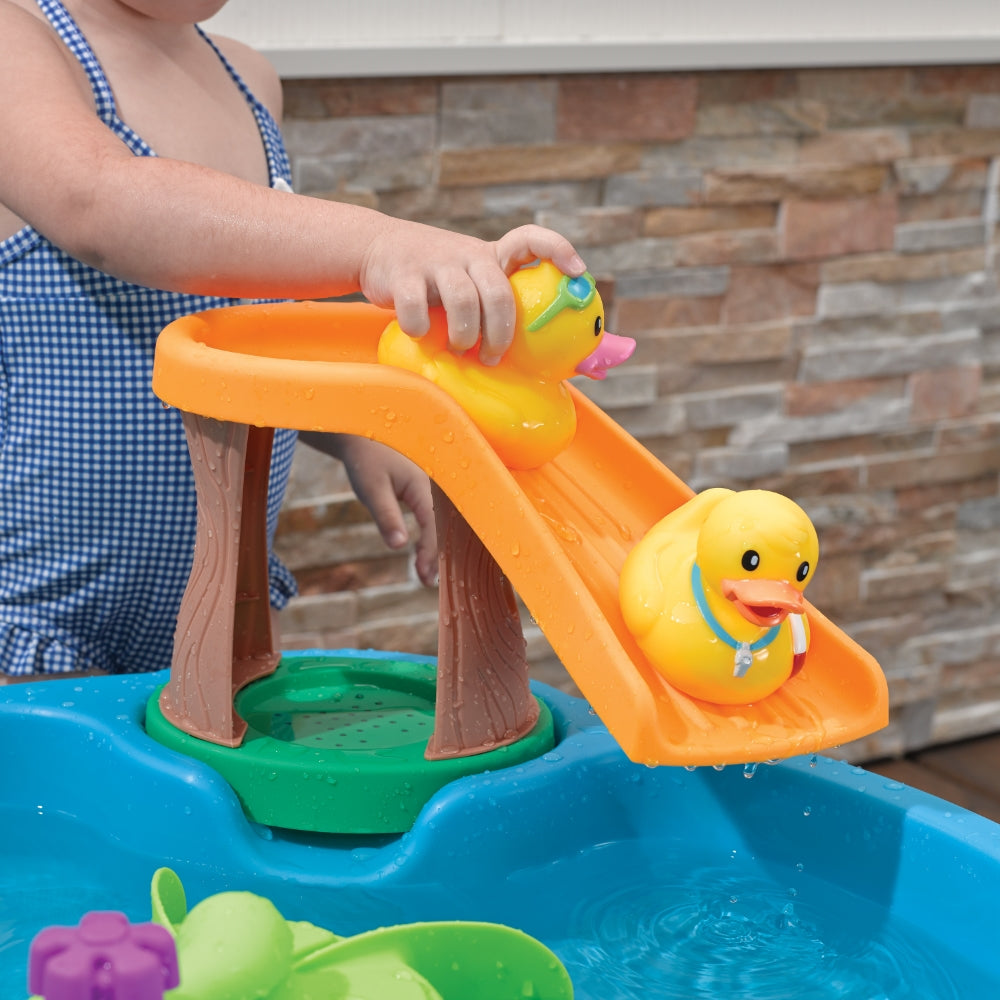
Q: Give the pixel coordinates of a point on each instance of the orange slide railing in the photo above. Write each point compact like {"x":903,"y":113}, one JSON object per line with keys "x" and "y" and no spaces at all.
{"x":560,"y":532}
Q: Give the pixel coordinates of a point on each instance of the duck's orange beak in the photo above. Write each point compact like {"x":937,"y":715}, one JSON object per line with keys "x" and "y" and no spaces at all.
{"x":764,"y":602}
{"x":612,"y":350}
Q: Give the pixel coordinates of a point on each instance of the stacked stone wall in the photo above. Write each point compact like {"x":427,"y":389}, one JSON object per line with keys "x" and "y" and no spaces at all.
{"x":807,"y":260}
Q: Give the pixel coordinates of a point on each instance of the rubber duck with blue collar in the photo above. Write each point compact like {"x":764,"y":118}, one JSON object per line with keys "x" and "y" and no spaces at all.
{"x":712,"y":593}
{"x":521,"y":404}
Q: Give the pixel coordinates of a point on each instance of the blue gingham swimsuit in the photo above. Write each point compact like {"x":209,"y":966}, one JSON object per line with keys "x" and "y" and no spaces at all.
{"x":97,"y":512}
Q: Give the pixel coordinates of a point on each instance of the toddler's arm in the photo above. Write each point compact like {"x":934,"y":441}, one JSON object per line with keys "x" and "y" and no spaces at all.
{"x":176,"y":225}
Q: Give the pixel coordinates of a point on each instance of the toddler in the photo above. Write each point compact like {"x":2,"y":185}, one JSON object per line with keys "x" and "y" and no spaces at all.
{"x":143,"y":177}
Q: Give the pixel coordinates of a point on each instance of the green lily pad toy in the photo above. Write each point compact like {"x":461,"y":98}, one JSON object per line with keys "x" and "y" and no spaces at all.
{"x":237,"y":946}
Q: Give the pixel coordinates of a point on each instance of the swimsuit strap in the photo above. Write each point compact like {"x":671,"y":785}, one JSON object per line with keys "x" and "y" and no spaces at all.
{"x":270,"y":132}
{"x":73,"y":38}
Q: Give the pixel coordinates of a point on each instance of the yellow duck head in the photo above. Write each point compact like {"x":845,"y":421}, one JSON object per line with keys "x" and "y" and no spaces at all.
{"x":520,"y":404}
{"x":560,"y":326}
{"x":714,"y":594}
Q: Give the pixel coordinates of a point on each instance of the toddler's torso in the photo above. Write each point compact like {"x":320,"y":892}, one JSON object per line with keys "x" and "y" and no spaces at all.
{"x":98,"y":512}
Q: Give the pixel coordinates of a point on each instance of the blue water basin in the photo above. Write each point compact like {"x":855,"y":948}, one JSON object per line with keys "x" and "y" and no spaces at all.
{"x":809,"y":879}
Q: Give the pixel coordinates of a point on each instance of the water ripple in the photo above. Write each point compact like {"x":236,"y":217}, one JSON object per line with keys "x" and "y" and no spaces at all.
{"x":716,"y":934}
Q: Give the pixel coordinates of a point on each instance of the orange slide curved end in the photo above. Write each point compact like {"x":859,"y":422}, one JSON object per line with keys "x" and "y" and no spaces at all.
{"x":561,"y":532}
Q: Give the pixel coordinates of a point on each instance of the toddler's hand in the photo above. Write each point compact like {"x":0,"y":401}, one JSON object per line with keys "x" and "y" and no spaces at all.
{"x":382,"y":479}
{"x":410,"y":267}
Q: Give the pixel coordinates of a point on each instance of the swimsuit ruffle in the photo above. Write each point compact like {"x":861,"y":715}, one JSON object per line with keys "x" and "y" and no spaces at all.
{"x":25,"y":653}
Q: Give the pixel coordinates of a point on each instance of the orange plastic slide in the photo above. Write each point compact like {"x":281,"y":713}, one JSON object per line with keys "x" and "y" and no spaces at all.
{"x":560,"y":532}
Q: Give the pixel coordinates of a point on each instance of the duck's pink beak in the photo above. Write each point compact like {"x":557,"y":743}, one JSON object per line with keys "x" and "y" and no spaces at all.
{"x":611,"y":351}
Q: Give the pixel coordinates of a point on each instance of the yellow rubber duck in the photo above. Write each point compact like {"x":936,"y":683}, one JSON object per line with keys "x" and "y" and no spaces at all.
{"x":520,"y":404}
{"x":713,"y":594}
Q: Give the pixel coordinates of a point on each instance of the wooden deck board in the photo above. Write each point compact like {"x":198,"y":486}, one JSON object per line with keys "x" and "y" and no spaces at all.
{"x":966,"y":774}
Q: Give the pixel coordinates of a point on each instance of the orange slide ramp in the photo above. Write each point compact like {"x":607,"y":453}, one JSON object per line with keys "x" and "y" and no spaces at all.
{"x":560,"y":533}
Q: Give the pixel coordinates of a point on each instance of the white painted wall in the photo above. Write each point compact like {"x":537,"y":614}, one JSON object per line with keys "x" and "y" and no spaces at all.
{"x":402,"y":37}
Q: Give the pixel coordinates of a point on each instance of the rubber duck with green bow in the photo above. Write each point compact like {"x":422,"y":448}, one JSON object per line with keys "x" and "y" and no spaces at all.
{"x":521,"y":404}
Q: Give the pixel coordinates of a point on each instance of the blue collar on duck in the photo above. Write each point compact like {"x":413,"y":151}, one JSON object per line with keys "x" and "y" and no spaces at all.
{"x":744,"y":650}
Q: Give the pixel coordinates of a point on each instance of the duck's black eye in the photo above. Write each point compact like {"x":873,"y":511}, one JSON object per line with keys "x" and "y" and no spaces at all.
{"x":802,"y":572}
{"x":598,"y":326}
{"x":751,"y":560}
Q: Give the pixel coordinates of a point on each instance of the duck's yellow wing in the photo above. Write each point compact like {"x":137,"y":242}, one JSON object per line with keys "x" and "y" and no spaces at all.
{"x":526,"y":420}
{"x":658,"y":569}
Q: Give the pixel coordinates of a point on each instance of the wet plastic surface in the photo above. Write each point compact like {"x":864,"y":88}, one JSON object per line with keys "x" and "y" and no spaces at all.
{"x":560,"y":533}
{"x":336,"y":744}
{"x":94,"y":806}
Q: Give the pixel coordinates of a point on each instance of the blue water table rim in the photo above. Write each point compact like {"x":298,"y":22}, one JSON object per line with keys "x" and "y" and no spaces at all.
{"x":83,"y":753}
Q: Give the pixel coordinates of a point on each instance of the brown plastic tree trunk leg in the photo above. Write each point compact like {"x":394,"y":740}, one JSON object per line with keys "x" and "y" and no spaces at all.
{"x":254,"y":654}
{"x":223,"y":637}
{"x":483,"y":697}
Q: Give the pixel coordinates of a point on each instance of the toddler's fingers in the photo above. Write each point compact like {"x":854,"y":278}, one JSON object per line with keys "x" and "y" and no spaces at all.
{"x":388,"y":515}
{"x":410,"y":303}
{"x":414,"y":489}
{"x":427,"y":561}
{"x":527,"y":243}
{"x":460,"y":298}
{"x":427,"y":546}
{"x":496,"y":301}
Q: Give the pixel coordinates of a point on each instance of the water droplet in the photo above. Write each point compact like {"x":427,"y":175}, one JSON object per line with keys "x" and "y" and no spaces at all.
{"x":565,"y":532}
{"x":749,"y":770}
{"x":807,"y":811}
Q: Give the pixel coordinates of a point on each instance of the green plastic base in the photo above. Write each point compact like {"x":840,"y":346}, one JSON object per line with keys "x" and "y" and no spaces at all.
{"x":335,"y":744}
